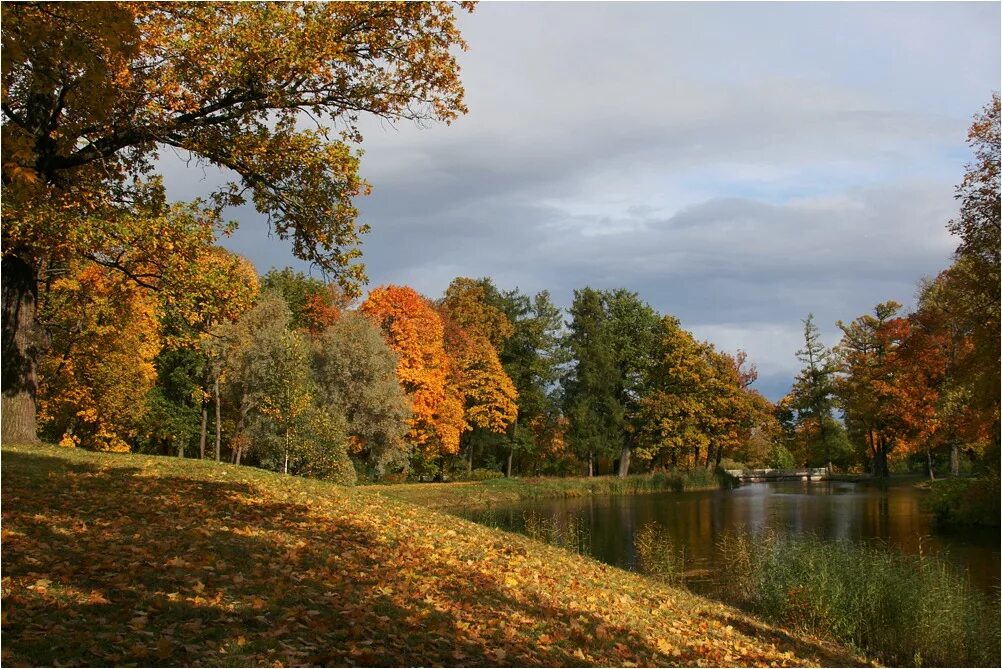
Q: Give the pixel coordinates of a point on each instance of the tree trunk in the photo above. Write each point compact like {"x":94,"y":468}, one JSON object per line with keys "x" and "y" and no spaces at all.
{"x":285,"y":468}
{"x":872,"y":443}
{"x":928,"y":458}
{"x":591,"y":465}
{"x":180,"y":448}
{"x":954,"y":458}
{"x":511,"y":454}
{"x":201,"y":432}
{"x":466,"y":448}
{"x":238,"y":438}
{"x":218,"y":422}
{"x":624,"y":462}
{"x":20,"y":380}
{"x":880,"y":461}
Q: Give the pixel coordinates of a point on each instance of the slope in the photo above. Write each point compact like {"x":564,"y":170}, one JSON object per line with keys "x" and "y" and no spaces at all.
{"x":119,"y":559}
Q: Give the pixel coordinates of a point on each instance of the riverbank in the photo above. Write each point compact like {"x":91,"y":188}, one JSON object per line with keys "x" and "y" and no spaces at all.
{"x":893,"y":479}
{"x":499,"y":492}
{"x":124,"y":559}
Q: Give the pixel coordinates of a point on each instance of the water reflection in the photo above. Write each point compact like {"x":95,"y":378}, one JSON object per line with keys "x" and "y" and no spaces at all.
{"x":831,"y":509}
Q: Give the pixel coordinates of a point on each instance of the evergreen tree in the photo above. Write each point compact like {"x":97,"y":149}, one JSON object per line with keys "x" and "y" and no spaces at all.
{"x":813,"y":392}
{"x":532,"y":357}
{"x":592,"y":386}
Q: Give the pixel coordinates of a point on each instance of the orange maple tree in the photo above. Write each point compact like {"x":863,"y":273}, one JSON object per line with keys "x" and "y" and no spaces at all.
{"x":414,"y":330}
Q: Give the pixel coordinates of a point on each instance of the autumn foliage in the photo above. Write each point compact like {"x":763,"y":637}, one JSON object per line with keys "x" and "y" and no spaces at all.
{"x":100,"y":359}
{"x":414,"y":330}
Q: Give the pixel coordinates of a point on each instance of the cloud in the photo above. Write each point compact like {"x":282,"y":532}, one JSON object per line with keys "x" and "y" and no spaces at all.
{"x":737,"y":165}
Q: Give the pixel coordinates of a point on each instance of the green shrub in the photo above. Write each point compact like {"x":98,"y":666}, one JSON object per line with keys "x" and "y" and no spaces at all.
{"x":485,"y":474}
{"x":727,"y":463}
{"x":973,"y":501}
{"x":780,"y":458}
{"x":904,"y":609}
{"x":479,"y":475}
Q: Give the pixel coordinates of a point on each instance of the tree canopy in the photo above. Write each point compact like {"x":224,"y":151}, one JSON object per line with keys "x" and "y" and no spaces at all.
{"x":272,"y":92}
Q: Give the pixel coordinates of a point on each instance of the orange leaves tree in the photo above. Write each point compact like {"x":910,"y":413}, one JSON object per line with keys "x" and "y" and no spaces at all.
{"x":869,"y":386}
{"x":414,"y":330}
{"x":491,"y":398}
{"x":972,"y":283}
{"x":99,"y":365}
{"x":469,"y":304}
{"x":92,"y":92}
{"x":939,"y":399}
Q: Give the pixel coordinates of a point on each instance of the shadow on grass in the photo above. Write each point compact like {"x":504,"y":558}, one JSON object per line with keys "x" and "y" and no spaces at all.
{"x":107,"y":565}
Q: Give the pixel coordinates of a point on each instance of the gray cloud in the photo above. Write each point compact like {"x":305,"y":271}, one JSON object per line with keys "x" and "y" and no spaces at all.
{"x":736,"y":164}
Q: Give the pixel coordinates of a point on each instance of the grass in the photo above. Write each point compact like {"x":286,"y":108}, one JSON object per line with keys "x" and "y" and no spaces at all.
{"x":124,"y":559}
{"x":658,"y":555}
{"x":498,"y":492}
{"x":904,"y":609}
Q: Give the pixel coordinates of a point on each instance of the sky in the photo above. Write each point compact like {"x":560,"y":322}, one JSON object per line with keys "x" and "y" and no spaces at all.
{"x":737,"y":165}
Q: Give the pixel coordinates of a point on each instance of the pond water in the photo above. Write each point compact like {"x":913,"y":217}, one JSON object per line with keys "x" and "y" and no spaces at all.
{"x":834,"y":510}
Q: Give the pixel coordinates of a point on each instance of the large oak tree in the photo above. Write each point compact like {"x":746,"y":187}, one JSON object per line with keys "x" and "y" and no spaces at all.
{"x":271,"y":91}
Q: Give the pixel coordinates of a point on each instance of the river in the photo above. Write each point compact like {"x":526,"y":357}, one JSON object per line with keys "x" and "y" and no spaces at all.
{"x":834,"y":510}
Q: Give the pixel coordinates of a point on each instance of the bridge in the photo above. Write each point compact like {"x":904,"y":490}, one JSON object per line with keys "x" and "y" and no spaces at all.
{"x":757,"y":475}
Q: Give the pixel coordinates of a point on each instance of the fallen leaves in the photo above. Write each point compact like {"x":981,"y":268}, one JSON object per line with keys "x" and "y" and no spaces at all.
{"x":182,"y":566}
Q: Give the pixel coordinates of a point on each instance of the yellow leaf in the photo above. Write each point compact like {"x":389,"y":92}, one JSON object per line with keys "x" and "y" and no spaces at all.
{"x":163,"y":648}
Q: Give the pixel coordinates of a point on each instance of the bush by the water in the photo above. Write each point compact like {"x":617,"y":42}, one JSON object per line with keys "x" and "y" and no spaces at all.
{"x":904,"y":609}
{"x":568,"y":532}
{"x":657,"y":555}
{"x":965,"y":501}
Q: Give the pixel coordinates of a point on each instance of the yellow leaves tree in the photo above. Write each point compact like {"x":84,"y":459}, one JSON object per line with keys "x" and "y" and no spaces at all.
{"x":99,"y":365}
{"x":491,"y":398}
{"x":479,"y":381}
{"x":673,"y":408}
{"x":467,"y":303}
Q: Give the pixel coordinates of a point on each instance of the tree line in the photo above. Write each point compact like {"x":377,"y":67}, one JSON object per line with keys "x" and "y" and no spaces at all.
{"x":127,"y":327}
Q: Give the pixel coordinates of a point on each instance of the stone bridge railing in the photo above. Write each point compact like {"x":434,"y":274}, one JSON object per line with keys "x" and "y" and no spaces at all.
{"x":808,"y":474}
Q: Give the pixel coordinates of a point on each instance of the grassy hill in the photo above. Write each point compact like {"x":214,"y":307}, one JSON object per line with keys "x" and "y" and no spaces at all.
{"x":126,"y":559}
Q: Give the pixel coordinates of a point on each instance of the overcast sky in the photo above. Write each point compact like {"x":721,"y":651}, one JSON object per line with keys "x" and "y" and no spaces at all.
{"x":738,"y":165}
